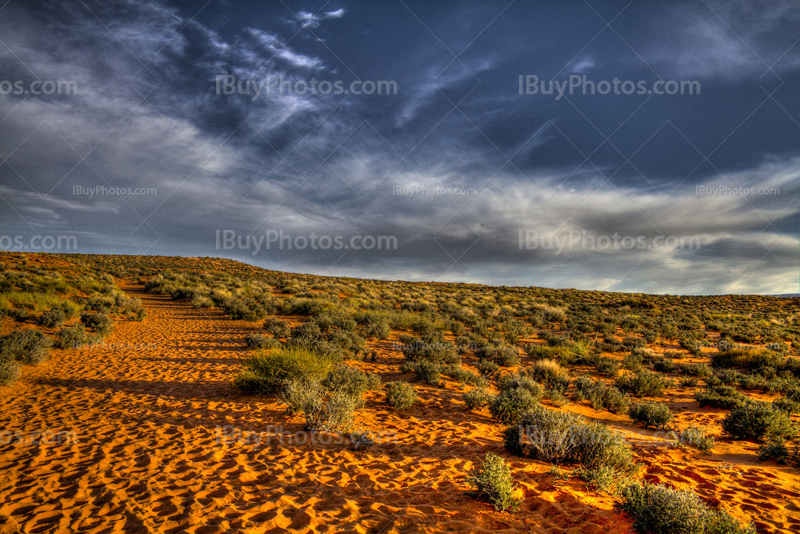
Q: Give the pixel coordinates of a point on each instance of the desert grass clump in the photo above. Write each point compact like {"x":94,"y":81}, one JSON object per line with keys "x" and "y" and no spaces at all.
{"x":650,"y":414}
{"x":694,"y":437}
{"x":494,"y":482}
{"x":565,"y":438}
{"x":642,"y":383}
{"x":550,"y":374}
{"x":72,"y":337}
{"x":99,"y":322}
{"x":258,"y":341}
{"x":776,"y":449}
{"x":268,"y":372}
{"x":759,"y":421}
{"x":720,"y":396}
{"x":426,"y":370}
{"x":502,"y":355}
{"x":400,"y":395}
{"x":487,"y":368}
{"x":53,"y":318}
{"x":276,"y":327}
{"x":351,"y":381}
{"x":658,"y":509}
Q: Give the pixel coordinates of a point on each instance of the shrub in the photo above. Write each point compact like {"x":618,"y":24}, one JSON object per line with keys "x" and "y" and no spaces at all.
{"x":549,"y":373}
{"x":510,"y":404}
{"x":25,"y":346}
{"x":9,"y":372}
{"x":642,"y":383}
{"x":600,"y":395}
{"x":502,"y":355}
{"x":650,"y":414}
{"x":477,"y":398}
{"x":776,"y":449}
{"x":351,"y":381}
{"x":694,"y":437}
{"x":759,"y":421}
{"x":72,"y":337}
{"x":53,"y":318}
{"x":99,"y":322}
{"x":658,"y":509}
{"x":465,"y":376}
{"x":322,"y":409}
{"x":276,"y":327}
{"x":257,"y":341}
{"x":720,"y":396}
{"x":566,"y":438}
{"x":269,"y":372}
{"x":400,"y":395}
{"x":487,"y":368}
{"x":426,"y":370}
{"x":607,"y":365}
{"x":494,"y":482}
{"x":436,"y":351}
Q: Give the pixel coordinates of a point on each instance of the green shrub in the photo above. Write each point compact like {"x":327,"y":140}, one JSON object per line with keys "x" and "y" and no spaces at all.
{"x":520,"y":380}
{"x":549,"y":373}
{"x":323,"y":410}
{"x":351,"y":381}
{"x":276,"y":327}
{"x":72,"y":337}
{"x":477,"y":398}
{"x":429,"y":371}
{"x":776,"y":449}
{"x":759,"y":421}
{"x":269,"y":372}
{"x":600,"y":395}
{"x":437,"y":351}
{"x":465,"y":376}
{"x":494,"y":482}
{"x":502,"y":355}
{"x":400,"y":395}
{"x":510,"y":404}
{"x":99,"y":322}
{"x":9,"y":372}
{"x":720,"y":396}
{"x":53,"y":318}
{"x":487,"y":368}
{"x":258,"y":341}
{"x":649,"y":414}
{"x":565,"y":438}
{"x":28,"y":347}
{"x":694,"y":437}
{"x":642,"y":383}
{"x":658,"y":509}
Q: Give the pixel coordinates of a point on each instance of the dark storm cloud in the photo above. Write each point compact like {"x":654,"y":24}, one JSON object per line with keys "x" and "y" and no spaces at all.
{"x":456,"y":166}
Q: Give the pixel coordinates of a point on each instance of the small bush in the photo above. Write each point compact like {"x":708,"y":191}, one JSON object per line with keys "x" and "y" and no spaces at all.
{"x":477,"y":398}
{"x":257,"y":341}
{"x":694,"y":437}
{"x":276,"y":327}
{"x":720,"y":396}
{"x":566,"y":438}
{"x":549,"y":373}
{"x":519,"y":380}
{"x":650,"y":414}
{"x":322,"y":409}
{"x":600,"y":395}
{"x":642,"y":383}
{"x":9,"y":372}
{"x":759,"y":421}
{"x":72,"y":337}
{"x":351,"y":381}
{"x":400,"y":395}
{"x":99,"y":322}
{"x":776,"y":449}
{"x":429,"y":371}
{"x":269,"y":372}
{"x":53,"y":318}
{"x":510,"y":404}
{"x":28,"y":347}
{"x":658,"y":509}
{"x":494,"y":482}
{"x":502,"y":355}
{"x":487,"y":368}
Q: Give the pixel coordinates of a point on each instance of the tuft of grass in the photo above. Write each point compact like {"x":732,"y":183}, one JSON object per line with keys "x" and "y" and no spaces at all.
{"x":493,"y":481}
{"x":642,"y":383}
{"x":650,"y":414}
{"x":269,"y":372}
{"x":694,"y":437}
{"x":759,"y":421}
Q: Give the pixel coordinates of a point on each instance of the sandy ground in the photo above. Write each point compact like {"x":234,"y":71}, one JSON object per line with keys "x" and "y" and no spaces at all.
{"x":142,"y":435}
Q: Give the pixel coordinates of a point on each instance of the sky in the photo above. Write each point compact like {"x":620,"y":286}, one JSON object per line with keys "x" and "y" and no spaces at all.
{"x":638,"y":147}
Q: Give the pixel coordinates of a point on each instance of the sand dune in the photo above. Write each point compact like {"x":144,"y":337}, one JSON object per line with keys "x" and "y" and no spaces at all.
{"x":142,"y":435}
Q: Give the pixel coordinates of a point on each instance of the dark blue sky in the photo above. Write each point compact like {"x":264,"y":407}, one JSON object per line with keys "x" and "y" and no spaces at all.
{"x":514,"y":189}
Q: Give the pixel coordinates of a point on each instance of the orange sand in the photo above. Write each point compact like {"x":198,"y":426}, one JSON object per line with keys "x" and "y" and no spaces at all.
{"x":146,"y":446}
